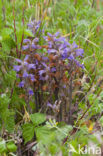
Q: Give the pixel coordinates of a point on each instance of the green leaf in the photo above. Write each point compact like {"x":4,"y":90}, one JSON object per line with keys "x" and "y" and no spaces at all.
{"x":28,"y":132}
{"x":11,"y":147}
{"x":44,"y":135}
{"x":2,"y":146}
{"x":10,"y":123}
{"x":38,"y":118}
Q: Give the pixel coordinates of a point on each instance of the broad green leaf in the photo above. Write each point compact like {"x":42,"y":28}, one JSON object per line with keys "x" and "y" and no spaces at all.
{"x":38,"y":118}
{"x":28,"y":132}
{"x":11,"y":147}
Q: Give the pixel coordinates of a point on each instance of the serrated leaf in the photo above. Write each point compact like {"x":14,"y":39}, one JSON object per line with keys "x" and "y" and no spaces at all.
{"x":10,"y":123}
{"x":44,"y":134}
{"x":28,"y":132}
{"x":38,"y":118}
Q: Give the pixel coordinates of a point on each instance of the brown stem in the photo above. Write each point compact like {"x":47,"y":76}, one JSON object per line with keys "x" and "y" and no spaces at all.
{"x":70,"y":101}
{"x":93,"y":3}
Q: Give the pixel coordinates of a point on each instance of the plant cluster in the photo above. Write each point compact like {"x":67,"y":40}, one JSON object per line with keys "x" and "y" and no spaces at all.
{"x":50,"y":68}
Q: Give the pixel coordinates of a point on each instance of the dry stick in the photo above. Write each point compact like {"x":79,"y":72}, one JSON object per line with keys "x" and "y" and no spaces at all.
{"x":67,"y":35}
{"x":17,"y":52}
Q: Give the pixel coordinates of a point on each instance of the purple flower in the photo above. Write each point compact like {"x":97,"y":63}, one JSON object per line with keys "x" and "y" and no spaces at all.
{"x":34,"y":24}
{"x":52,"y":51}
{"x":41,"y":72}
{"x":32,"y":77}
{"x":17,"y":75}
{"x":25,"y":74}
{"x":79,"y":52}
{"x":21,"y":84}
{"x":57,"y":34}
{"x":53,"y":69}
{"x":49,"y":34}
{"x":31,"y":66}
{"x":44,"y":78}
{"x":25,"y":47}
{"x":49,"y":104}
{"x":79,"y":65}
{"x":71,"y":57}
{"x":26,"y":57}
{"x":45,"y":58}
{"x":31,"y":92}
{"x":26,"y":41}
{"x":61,"y":39}
{"x":18,"y":60}
{"x":17,"y":68}
{"x":74,"y":45}
{"x":35,"y":40}
{"x":33,"y":46}
{"x":50,"y":44}
{"x":30,"y":25}
{"x":64,"y":86}
{"x":44,"y":64}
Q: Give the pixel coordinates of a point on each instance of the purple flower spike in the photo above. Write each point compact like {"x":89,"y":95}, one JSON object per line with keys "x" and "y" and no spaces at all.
{"x":17,"y":68}
{"x":21,"y":84}
{"x":31,"y":92}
